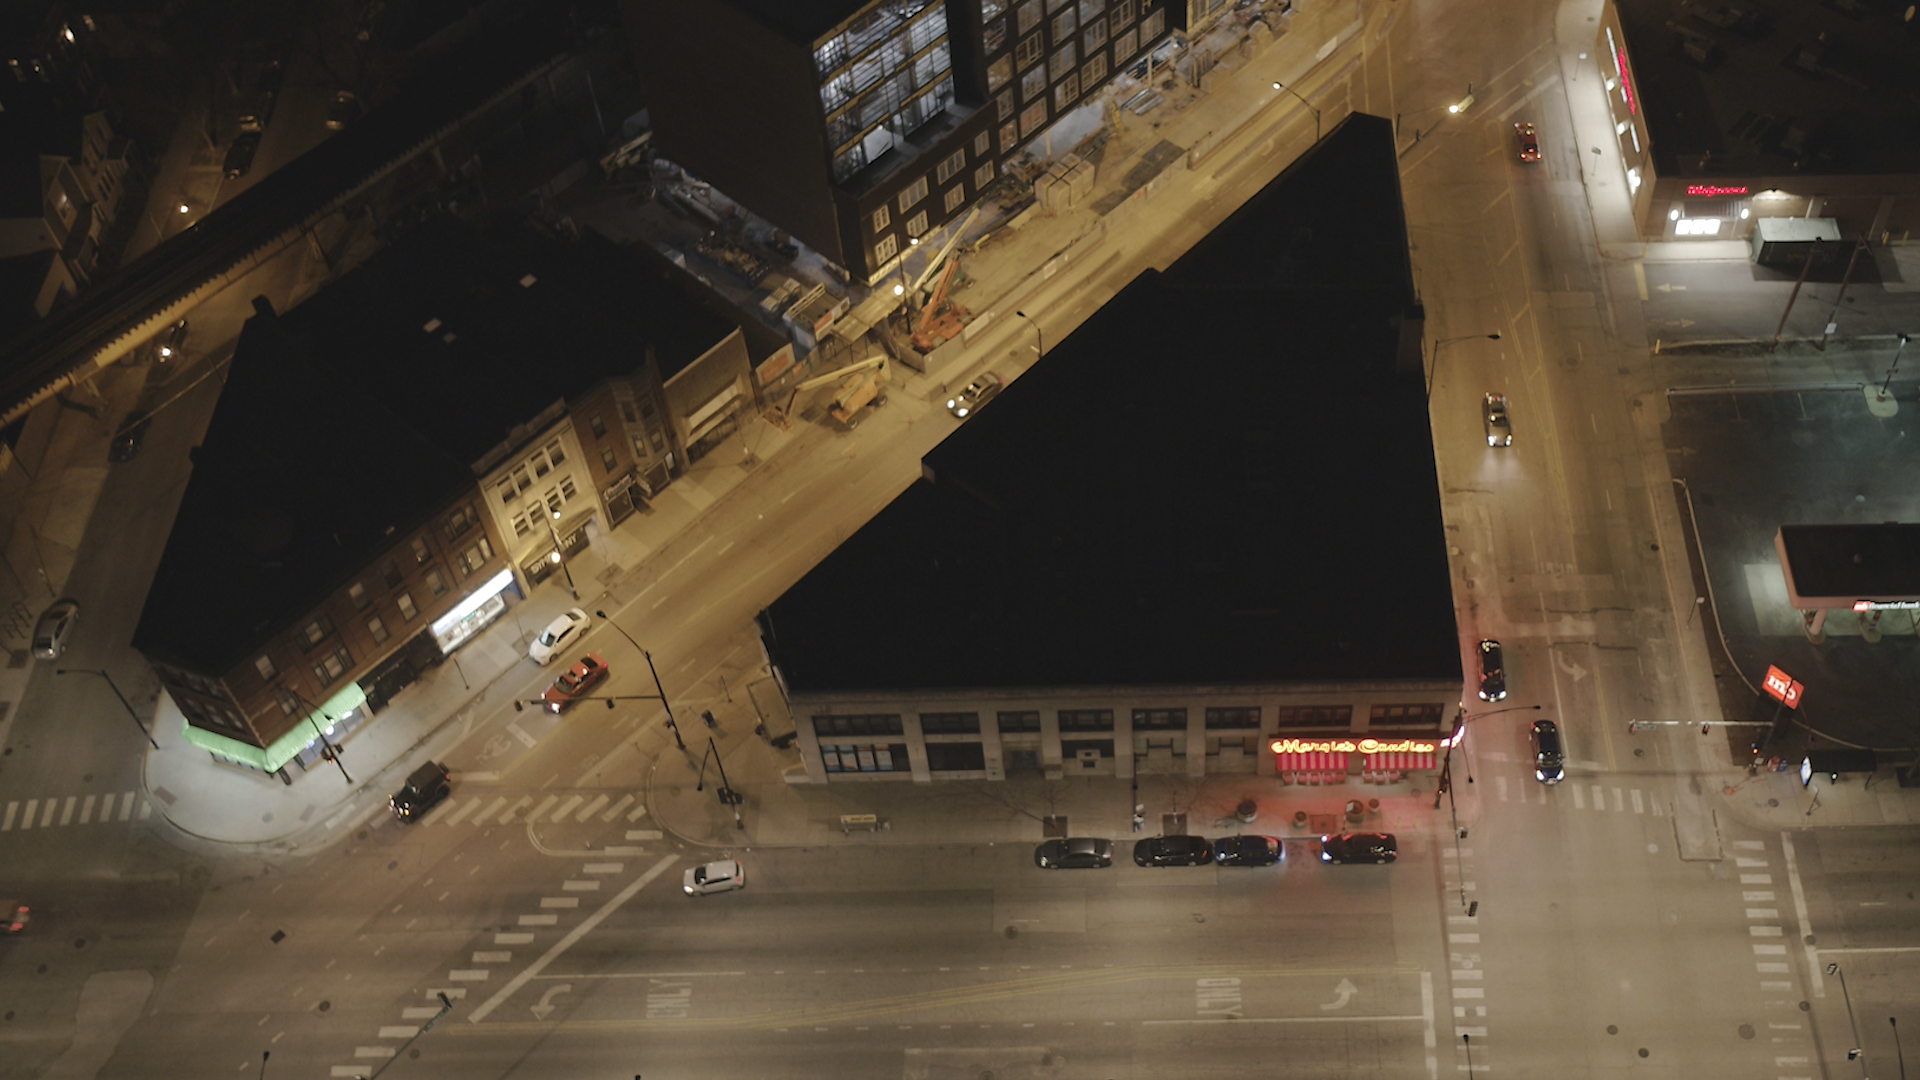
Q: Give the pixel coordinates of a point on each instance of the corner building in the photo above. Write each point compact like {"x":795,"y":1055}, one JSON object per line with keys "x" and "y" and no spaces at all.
{"x":1203,"y":535}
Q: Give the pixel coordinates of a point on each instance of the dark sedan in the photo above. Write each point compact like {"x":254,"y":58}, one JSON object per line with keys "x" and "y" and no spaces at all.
{"x":1078,"y":853}
{"x":1362,"y":847}
{"x":1173,"y":851}
{"x":1248,"y":851}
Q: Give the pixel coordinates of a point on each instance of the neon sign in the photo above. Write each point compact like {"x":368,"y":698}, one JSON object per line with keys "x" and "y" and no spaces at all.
{"x":1351,"y":746}
{"x":1626,"y":84}
{"x":1711,"y":189}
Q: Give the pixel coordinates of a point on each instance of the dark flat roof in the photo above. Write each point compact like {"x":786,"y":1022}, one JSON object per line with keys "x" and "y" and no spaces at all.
{"x":806,"y":21}
{"x":1755,"y":105}
{"x":1224,"y":476}
{"x":1859,"y":562}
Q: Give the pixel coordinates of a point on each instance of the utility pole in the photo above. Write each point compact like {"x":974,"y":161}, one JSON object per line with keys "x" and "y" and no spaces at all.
{"x":1833,"y":320}
{"x":1795,"y":294}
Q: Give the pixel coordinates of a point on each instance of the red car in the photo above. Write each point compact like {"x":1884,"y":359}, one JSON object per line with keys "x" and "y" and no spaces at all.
{"x":575,"y":682}
{"x":1529,"y":142}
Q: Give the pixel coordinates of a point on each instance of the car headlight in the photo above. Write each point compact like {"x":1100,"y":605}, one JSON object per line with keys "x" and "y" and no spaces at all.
{"x":1325,"y":857}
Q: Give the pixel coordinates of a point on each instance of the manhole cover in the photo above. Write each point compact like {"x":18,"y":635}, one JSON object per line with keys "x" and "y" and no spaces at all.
{"x":1013,"y":932}
{"x":1613,"y":1029}
{"x":1746,"y":1031}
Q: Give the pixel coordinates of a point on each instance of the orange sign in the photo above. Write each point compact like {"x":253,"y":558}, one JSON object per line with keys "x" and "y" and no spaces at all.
{"x":1782,"y":688}
{"x":1350,"y":746}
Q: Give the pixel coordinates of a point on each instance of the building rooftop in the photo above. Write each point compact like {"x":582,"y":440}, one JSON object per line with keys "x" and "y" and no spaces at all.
{"x":1224,"y":476}
{"x":1738,"y":87}
{"x":807,"y":21}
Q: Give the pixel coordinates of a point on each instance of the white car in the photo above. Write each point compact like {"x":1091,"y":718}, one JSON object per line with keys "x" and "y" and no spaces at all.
{"x":55,"y":630}
{"x":560,"y":634}
{"x":724,"y":876}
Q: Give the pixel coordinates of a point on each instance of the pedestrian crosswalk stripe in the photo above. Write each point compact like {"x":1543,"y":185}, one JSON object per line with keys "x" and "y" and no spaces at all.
{"x":86,"y":809}
{"x":1579,"y":801}
{"x":507,"y":818}
{"x":567,"y":807}
{"x":545,"y":805}
{"x":40,"y":813}
{"x":592,"y":808}
{"x":466,"y":808}
{"x":482,"y":816}
{"x":614,"y":810}
{"x":46,"y":812}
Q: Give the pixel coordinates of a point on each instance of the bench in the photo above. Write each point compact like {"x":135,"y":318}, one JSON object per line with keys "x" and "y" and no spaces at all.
{"x":850,"y":822}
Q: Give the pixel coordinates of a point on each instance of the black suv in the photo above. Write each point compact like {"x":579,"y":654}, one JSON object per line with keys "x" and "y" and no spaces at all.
{"x":1079,"y":853}
{"x":429,"y":784}
{"x":1173,"y":851}
{"x":1493,"y":677}
{"x":1364,"y":847}
{"x":1549,"y":764}
{"x":1248,"y":851}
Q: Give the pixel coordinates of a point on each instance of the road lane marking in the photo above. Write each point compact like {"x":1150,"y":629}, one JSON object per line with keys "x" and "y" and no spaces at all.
{"x":481,"y":817}
{"x":1428,"y":1036}
{"x":146,"y":809}
{"x":1282,"y":1020}
{"x":559,"y":901}
{"x":653,"y":975}
{"x":539,"y":920}
{"x":1757,"y":896}
{"x":465,"y":809}
{"x":1771,"y":967}
{"x":1640,"y":280}
{"x":454,"y":992}
{"x":580,"y":886}
{"x":603,"y":867}
{"x":614,"y":810}
{"x":468,"y":975}
{"x":1750,"y":863}
{"x":1804,"y":925}
{"x":1616,"y":800}
{"x":373,"y":1051}
{"x":493,"y":957}
{"x":541,"y":809}
{"x":126,"y":806}
{"x":573,"y":936}
{"x":507,"y":818}
{"x":512,"y":939}
{"x":12,"y":809}
{"x":86,"y":810}
{"x":514,"y":729}
{"x":1763,"y":931}
{"x":1763,"y":913}
{"x":1599,"y":797}
{"x":1756,"y":879}
{"x":566,"y":808}
{"x":638,"y":813}
{"x":591,"y":808}
{"x":352,"y":1072}
{"x":1769,"y":950}
{"x":420,"y":1012}
{"x":1464,"y":939}
{"x":399,"y":1031}
{"x":1749,"y":845}
{"x":1579,"y":801}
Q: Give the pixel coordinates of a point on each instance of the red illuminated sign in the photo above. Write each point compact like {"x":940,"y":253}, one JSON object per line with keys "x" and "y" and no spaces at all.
{"x":1710,"y":189}
{"x":1886,"y":605}
{"x":1626,"y":84}
{"x":1782,"y":688}
{"x":1351,"y":746}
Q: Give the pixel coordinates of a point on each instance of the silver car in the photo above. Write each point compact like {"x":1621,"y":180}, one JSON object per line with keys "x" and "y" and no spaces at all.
{"x":974,"y":394}
{"x":559,"y":635}
{"x":724,"y":876}
{"x":51,"y":636}
{"x":1494,"y":412}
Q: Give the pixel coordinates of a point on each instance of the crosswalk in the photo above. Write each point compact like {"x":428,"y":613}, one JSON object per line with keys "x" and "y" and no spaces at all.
{"x":57,"y":812}
{"x":1583,"y":795}
{"x":504,"y":810}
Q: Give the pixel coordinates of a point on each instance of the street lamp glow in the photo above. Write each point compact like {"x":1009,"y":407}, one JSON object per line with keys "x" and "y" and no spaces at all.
{"x":185,"y":209}
{"x":898,"y":289}
{"x":554,"y":558}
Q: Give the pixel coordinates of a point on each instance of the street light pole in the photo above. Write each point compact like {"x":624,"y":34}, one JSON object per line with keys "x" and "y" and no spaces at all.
{"x":1901,"y":1054}
{"x":116,"y":693}
{"x":1303,"y":101}
{"x":553,"y":516}
{"x":1039,"y":337}
{"x":664,"y":703}
{"x":446,"y":1006}
{"x":728,"y":797}
{"x":1895,"y":366}
{"x":1434,"y":371}
{"x":1856,"y":1052}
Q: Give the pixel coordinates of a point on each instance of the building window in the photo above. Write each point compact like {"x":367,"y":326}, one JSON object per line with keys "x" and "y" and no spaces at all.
{"x":1033,"y":84}
{"x":1095,"y":70}
{"x":1056,"y":5}
{"x":1151,"y":25}
{"x":1033,"y":118}
{"x":917,"y":224}
{"x":1064,"y":24}
{"x":857,"y":725}
{"x":1159,"y":719}
{"x":1090,"y":8}
{"x":982,"y":144}
{"x":951,"y":167}
{"x":1029,"y":52}
{"x":567,"y":489}
{"x":992,"y":9}
{"x":1003,"y":106}
{"x":983,"y":176}
{"x":1428,"y":716}
{"x":1086,"y":719}
{"x":436,"y":583}
{"x":475,"y":557}
{"x":507,"y":491}
{"x":597,"y":425}
{"x":378,"y":629}
{"x":421,"y":553}
{"x":1009,"y":138}
{"x":1095,"y":36}
{"x":285,"y":698}
{"x":1314,"y":716}
{"x":1014,"y":722}
{"x":264,"y":665}
{"x":390,"y":573}
{"x":316,"y":631}
{"x":458,"y":522}
{"x":1070,"y":748}
{"x":1027,"y":15}
{"x":993,"y":38}
{"x":881,"y":219}
{"x":1061,"y":62}
{"x":1064,"y":94}
{"x":639,"y":448}
{"x":609,"y":460}
{"x":554,"y":502}
{"x":521,"y":526}
{"x":913,"y":193}
{"x":1124,"y":46}
{"x":1218,"y":719}
{"x":956,"y":757}
{"x":357,"y":593}
{"x":405,"y":603}
{"x":999,"y":72}
{"x":330,"y":667}
{"x":950,"y":723}
{"x":955,"y":197}
{"x":1122,"y":13}
{"x":556,"y":453}
{"x":883,"y":251}
{"x":626,"y":412}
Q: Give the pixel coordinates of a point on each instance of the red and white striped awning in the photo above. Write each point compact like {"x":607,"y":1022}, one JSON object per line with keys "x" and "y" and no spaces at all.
{"x":1311,"y":762}
{"x":1393,"y":762}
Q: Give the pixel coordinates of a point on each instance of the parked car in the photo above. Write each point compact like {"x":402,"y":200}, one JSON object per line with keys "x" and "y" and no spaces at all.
{"x":425,"y":788}
{"x":723,"y":876}
{"x":1172,"y":851}
{"x":1494,"y":413}
{"x":1081,"y":853}
{"x":560,"y":634}
{"x":1248,"y":850}
{"x":344,"y":109}
{"x":1549,"y":764}
{"x":127,"y":444}
{"x":55,"y":629}
{"x":1493,"y":676}
{"x":1529,"y":141}
{"x":573,"y":683}
{"x":1364,"y":847}
{"x":18,"y":916}
{"x":240,"y":154}
{"x":169,"y":342}
{"x":974,"y":394}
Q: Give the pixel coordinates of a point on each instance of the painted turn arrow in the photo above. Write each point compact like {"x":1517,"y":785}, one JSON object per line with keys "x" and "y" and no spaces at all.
{"x":1346,"y":991}
{"x":545,"y":1008}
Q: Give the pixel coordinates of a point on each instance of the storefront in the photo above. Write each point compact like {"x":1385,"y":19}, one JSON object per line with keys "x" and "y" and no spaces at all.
{"x":539,"y":560}
{"x":474,"y":614}
{"x":1332,"y":761}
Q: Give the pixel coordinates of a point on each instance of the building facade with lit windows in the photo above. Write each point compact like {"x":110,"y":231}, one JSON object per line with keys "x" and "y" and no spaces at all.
{"x":1727,"y":114}
{"x":861,"y":126}
{"x":1162,"y":570}
{"x":380,"y":482}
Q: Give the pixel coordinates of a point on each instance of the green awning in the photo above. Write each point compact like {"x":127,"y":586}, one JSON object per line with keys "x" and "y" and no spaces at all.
{"x":286,"y":747}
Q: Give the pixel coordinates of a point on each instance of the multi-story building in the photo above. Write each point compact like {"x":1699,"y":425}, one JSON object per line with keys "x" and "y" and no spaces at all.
{"x":1191,"y":568}
{"x":860,"y":125}
{"x":382,"y":477}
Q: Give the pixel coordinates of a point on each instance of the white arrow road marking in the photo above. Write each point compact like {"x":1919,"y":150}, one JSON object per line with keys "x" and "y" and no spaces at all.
{"x":586,"y":926}
{"x":1346,"y":990}
{"x":1572,"y":669}
{"x":545,"y":1008}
